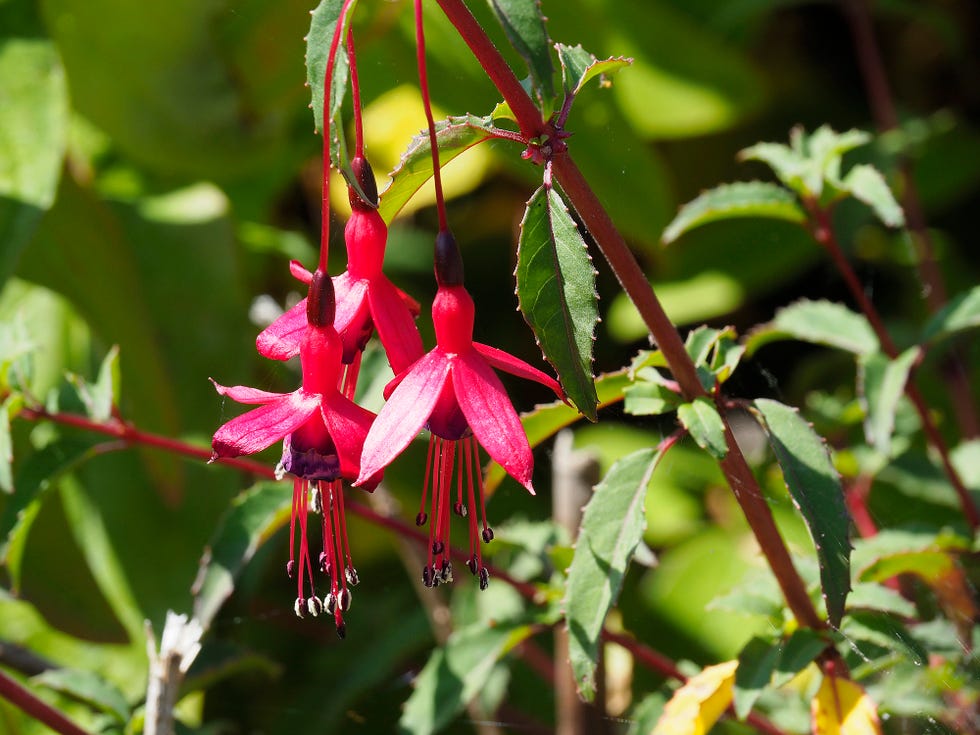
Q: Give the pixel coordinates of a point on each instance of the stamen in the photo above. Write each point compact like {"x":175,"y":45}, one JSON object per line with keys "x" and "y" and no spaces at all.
{"x":314,"y":606}
{"x":348,"y":381}
{"x":438,"y":443}
{"x":487,"y":531}
{"x":421,"y":518}
{"x":460,"y":509}
{"x":446,"y":462}
{"x":484,"y":578}
{"x":299,"y":606}
{"x":474,"y":544}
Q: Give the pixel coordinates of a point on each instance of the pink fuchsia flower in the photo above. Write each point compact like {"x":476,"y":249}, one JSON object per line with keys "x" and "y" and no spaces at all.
{"x":366,"y":299}
{"x":323,"y":434}
{"x":454,"y":391}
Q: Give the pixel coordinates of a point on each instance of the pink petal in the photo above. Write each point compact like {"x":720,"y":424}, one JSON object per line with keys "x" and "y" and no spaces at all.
{"x":299,"y":272}
{"x":281,"y":339}
{"x":405,"y":413}
{"x":515,"y":366}
{"x":244,"y":394}
{"x":348,"y":425}
{"x":395,"y":325}
{"x":351,"y":300}
{"x":492,"y":417}
{"x":262,"y":427}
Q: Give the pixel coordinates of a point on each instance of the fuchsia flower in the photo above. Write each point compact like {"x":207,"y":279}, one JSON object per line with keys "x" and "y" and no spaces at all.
{"x":366,"y":299}
{"x":454,"y":391}
{"x":323,"y":434}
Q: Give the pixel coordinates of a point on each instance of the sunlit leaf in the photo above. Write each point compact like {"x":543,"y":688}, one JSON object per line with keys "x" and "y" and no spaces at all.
{"x":251,"y":519}
{"x":612,"y":527}
{"x":740,"y":199}
{"x":815,"y":487}
{"x":556,"y":293}
{"x":700,"y":703}
{"x":960,"y":314}
{"x":820,"y":322}
{"x":841,"y":707}
{"x":866,"y":184}
{"x":523,"y":23}
{"x":881,"y":382}
{"x":651,"y":394}
{"x":453,"y":136}
{"x":456,"y":672}
{"x":578,"y":67}
{"x":7,"y":409}
{"x":88,"y":687}
{"x":703,"y":422}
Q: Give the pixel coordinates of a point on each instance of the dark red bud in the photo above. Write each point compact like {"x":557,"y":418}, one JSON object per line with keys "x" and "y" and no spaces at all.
{"x":320,"y":303}
{"x":365,"y":180}
{"x":448,"y":262}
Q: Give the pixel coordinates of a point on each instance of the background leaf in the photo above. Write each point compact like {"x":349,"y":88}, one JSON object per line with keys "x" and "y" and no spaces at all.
{"x":960,"y":314}
{"x":819,"y":322}
{"x":611,"y":530}
{"x":882,"y":384}
{"x":815,"y":488}
{"x":87,"y":687}
{"x":556,"y":293}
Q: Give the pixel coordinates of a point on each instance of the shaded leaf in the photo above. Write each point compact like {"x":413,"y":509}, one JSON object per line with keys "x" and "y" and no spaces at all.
{"x":756,"y":663}
{"x":89,"y":688}
{"x":578,"y":67}
{"x":36,"y":475}
{"x":33,"y":137}
{"x":820,"y":322}
{"x":453,"y":136}
{"x":799,"y":651}
{"x":524,"y":25}
{"x":700,"y":703}
{"x":866,"y":184}
{"x":841,"y":707}
{"x":885,"y":631}
{"x":7,"y":410}
{"x":612,"y":527}
{"x":881,"y":382}
{"x":456,"y":672}
{"x":252,"y":518}
{"x":739,"y":199}
{"x":100,"y":397}
{"x":547,"y":420}
{"x":815,"y":487}
{"x":960,"y":314}
{"x":703,"y":422}
{"x":219,"y":660}
{"x":892,"y":552}
{"x":556,"y":294}
{"x":872,"y":596}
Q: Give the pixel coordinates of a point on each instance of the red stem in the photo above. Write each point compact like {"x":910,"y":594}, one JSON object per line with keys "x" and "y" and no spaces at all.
{"x":636,"y":285}
{"x":427,"y":104}
{"x":28,"y":702}
{"x":822,"y":230}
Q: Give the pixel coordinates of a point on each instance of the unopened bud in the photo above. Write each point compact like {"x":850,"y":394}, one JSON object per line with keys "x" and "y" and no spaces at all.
{"x":365,"y":180}
{"x":320,"y":301}
{"x":448,"y":263}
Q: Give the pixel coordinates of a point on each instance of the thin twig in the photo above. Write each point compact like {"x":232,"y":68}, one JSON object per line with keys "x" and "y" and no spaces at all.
{"x":25,"y":700}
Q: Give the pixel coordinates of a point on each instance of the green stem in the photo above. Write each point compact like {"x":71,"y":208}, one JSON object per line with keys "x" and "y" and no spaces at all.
{"x":637,"y":287}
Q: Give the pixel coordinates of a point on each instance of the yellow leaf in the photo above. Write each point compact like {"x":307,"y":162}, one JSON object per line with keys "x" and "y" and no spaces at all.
{"x":842,"y":708}
{"x":697,"y":705}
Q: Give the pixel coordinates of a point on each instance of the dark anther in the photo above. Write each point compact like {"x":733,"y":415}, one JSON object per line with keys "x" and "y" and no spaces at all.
{"x":448,"y":261}
{"x":324,"y":562}
{"x":427,"y":576}
{"x":420,"y":519}
{"x":330,"y":603}
{"x":447,"y":572}
{"x":299,"y":607}
{"x":438,"y":547}
{"x":484,"y":578}
{"x":471,"y":564}
{"x":344,"y":600}
{"x":290,"y":568}
{"x":352,"y":579}
{"x":341,"y":631}
{"x":320,"y":303}
{"x":487,"y":535}
{"x":314,"y":606}
{"x":460,"y":510}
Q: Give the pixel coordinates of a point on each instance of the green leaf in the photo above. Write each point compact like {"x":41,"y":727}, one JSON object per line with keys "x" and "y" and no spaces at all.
{"x":873,"y":596}
{"x":651,"y":394}
{"x":885,"y":631}
{"x":100,"y":397}
{"x":16,"y":349}
{"x":578,"y":67}
{"x":33,"y":137}
{"x":556,"y":293}
{"x":220,"y":660}
{"x":702,"y":421}
{"x":612,"y":527}
{"x":8,"y":408}
{"x":866,"y":184}
{"x":89,"y":688}
{"x":456,"y":672}
{"x":799,"y":650}
{"x":253,"y":516}
{"x":960,"y":314}
{"x":756,"y":662}
{"x":36,"y":475}
{"x":881,"y":384}
{"x":547,"y":420}
{"x":820,"y":322}
{"x":740,"y":199}
{"x":523,"y":23}
{"x":815,"y":487}
{"x":453,"y":136}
